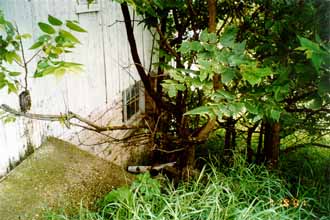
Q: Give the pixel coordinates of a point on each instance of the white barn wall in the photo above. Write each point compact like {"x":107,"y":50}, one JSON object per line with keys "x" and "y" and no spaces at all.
{"x":105,"y":54}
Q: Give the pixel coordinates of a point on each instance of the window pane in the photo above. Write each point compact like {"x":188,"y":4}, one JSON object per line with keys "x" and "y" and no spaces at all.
{"x":131,"y":101}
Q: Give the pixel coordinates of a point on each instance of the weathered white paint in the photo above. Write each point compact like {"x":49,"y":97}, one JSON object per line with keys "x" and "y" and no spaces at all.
{"x":108,"y":69}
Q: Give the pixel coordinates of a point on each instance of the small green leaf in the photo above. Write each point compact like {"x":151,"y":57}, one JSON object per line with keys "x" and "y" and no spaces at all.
{"x":36,"y":45}
{"x":275,"y":114}
{"x":204,"y":37}
{"x":2,"y":76}
{"x":227,"y":75}
{"x":254,"y":74}
{"x":315,"y":103}
{"x":172,"y":91}
{"x":13,"y":56}
{"x":235,"y":108}
{"x":308,"y":44}
{"x":3,"y":83}
{"x":59,"y":72}
{"x":44,"y":38}
{"x":46,"y":28}
{"x":317,"y":60}
{"x":14,"y":73}
{"x":252,"y":107}
{"x":196,"y":46}
{"x":23,"y":36}
{"x":185,"y":47}
{"x":69,"y":36}
{"x":54,"y":21}
{"x":44,"y":72}
{"x":227,"y":39}
{"x":9,"y":119}
{"x":213,"y":38}
{"x":203,"y":75}
{"x":74,"y":27}
{"x":11,"y":88}
{"x":42,"y":64}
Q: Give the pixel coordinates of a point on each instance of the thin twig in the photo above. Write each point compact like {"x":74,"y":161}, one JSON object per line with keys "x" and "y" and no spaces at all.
{"x":23,"y":57}
{"x":167,"y":45}
{"x":19,"y":64}
{"x":33,"y":56}
{"x":170,"y":151}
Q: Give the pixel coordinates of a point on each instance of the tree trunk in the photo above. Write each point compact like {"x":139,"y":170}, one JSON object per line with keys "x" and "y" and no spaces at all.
{"x":157,"y":98}
{"x":230,"y":138}
{"x":212,"y":10}
{"x":249,"y":149}
{"x":260,"y":156}
{"x":272,"y":143}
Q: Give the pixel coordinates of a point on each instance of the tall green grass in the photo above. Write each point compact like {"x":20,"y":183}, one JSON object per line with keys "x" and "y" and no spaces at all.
{"x":239,"y":192}
{"x":307,"y":173}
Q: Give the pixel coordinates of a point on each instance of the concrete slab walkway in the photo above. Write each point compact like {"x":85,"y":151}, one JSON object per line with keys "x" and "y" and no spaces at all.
{"x":58,"y":174}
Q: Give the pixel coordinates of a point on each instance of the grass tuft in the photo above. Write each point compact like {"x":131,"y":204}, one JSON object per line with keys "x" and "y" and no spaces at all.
{"x":240,"y":192}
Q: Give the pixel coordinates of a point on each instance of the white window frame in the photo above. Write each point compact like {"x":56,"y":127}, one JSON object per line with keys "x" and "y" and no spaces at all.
{"x":83,"y":7}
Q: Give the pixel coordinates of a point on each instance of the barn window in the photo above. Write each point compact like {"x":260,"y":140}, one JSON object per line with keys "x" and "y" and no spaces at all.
{"x":83,"y":7}
{"x":131,"y":101}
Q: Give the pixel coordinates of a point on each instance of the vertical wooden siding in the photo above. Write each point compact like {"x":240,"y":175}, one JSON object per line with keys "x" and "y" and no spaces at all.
{"x":108,"y":69}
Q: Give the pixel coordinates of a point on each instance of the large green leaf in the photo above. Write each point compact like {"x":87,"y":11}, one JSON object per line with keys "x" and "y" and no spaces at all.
{"x":204,"y":36}
{"x":185,"y":47}
{"x":36,"y":45}
{"x":252,"y":107}
{"x":227,"y":75}
{"x":222,"y":94}
{"x":196,"y":46}
{"x":235,"y":108}
{"x":253,"y":74}
{"x":54,"y":21}
{"x":75,"y":27}
{"x":67,"y":35}
{"x":308,"y":44}
{"x":275,"y":114}
{"x":315,"y":103}
{"x":46,"y":28}
{"x":227,"y":39}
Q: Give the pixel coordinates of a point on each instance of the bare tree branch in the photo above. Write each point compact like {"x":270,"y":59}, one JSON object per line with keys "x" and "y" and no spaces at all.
{"x":299,"y":146}
{"x":66,"y":118}
{"x":161,"y":104}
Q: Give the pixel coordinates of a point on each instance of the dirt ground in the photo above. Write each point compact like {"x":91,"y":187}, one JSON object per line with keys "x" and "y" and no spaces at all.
{"x":58,"y":174}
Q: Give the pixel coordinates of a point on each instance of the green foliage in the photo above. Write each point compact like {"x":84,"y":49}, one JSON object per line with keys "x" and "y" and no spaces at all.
{"x":9,"y":41}
{"x":6,"y":117}
{"x":319,"y":54}
{"x":50,"y":46}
